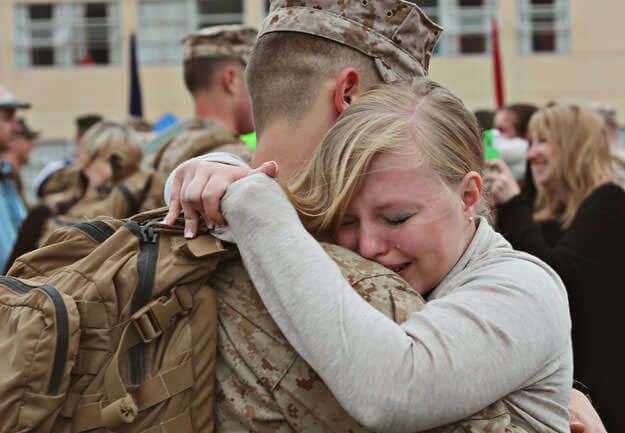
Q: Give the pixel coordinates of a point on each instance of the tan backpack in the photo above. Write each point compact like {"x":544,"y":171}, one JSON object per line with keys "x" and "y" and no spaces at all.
{"x":110,"y":325}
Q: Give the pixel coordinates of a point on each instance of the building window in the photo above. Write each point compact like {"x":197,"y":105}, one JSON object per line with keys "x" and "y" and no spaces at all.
{"x":466,"y":24}
{"x":214,"y":12}
{"x":163,"y":24}
{"x":67,"y":34}
{"x":543,"y":26}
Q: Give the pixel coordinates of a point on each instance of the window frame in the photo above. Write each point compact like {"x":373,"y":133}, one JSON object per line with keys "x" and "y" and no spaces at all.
{"x":450,"y":16}
{"x":64,"y":39}
{"x":193,"y":21}
{"x":526,"y":30}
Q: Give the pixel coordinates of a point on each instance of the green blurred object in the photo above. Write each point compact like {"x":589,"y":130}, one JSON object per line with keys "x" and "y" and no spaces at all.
{"x":250,"y":139}
{"x":490,"y":152}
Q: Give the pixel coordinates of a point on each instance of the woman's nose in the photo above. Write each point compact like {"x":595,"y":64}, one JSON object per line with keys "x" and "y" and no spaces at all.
{"x":532,"y":152}
{"x":371,"y":244}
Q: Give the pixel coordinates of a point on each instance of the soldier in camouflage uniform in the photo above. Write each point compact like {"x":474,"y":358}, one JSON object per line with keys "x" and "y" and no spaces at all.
{"x":263,"y":385}
{"x":214,"y":64}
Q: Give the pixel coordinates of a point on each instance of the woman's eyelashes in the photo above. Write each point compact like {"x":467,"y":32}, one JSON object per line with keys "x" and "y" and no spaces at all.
{"x":387,"y":219}
{"x":397,"y":219}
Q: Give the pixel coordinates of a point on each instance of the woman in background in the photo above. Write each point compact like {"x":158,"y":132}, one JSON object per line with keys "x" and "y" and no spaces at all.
{"x":109,"y":153}
{"x":577,"y":227}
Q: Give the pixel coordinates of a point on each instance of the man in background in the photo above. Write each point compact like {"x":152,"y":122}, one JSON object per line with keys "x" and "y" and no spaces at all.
{"x":12,"y":210}
{"x":214,"y":74}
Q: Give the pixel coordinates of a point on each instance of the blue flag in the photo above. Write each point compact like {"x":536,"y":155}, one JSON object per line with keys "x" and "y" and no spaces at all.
{"x":136,"y":105}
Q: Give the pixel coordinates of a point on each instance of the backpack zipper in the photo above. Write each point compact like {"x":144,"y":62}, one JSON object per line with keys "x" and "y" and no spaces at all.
{"x":62,"y":328}
{"x":146,"y":270}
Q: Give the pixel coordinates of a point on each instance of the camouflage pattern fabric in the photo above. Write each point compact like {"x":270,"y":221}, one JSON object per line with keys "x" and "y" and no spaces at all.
{"x":396,"y":33}
{"x":220,"y":42}
{"x":263,"y":385}
{"x":201,"y":136}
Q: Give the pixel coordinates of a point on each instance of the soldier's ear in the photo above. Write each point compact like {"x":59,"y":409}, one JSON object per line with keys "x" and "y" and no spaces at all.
{"x":228,"y":79}
{"x":347,"y":87}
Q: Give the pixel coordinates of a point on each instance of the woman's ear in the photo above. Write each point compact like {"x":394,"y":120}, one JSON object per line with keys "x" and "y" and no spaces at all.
{"x":347,"y":87}
{"x":471,"y":193}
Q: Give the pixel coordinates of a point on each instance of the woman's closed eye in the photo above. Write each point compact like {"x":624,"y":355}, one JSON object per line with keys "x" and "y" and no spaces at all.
{"x":397,"y":219}
{"x":348,"y":221}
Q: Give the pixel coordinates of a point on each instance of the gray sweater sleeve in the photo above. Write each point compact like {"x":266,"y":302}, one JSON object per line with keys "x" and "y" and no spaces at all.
{"x":464,"y":351}
{"x":223,"y":157}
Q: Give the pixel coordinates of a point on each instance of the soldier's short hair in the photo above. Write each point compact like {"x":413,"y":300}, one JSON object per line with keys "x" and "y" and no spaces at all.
{"x":208,"y":51}
{"x":280,"y":86}
{"x":302,"y":42}
{"x":200,"y":73}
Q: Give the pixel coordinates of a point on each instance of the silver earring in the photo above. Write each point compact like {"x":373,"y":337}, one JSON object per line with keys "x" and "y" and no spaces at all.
{"x":471,"y":219}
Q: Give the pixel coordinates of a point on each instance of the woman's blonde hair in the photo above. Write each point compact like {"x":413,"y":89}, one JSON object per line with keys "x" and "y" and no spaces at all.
{"x":121,"y":140}
{"x":579,"y":141}
{"x":384,"y":120}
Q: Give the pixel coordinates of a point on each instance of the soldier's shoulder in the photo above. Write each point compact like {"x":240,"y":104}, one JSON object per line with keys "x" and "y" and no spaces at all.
{"x":376,"y":284}
{"x":355,"y":267}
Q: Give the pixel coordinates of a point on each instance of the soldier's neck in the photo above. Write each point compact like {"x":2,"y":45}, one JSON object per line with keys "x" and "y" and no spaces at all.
{"x":208,"y":109}
{"x":289,"y":145}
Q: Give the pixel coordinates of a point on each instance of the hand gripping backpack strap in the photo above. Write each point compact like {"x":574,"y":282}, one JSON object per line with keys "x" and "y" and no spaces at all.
{"x":144,"y":326}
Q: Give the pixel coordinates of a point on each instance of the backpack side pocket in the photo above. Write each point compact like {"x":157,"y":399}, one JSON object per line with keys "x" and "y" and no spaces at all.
{"x":39,"y":335}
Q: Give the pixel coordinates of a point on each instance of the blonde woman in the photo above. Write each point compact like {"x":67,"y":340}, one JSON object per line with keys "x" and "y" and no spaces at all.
{"x":397,"y":179}
{"x":108,"y":153}
{"x":576,"y":226}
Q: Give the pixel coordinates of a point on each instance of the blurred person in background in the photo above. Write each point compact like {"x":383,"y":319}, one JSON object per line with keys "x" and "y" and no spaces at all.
{"x":18,"y":150}
{"x":12,"y":209}
{"x":107,"y":149}
{"x":83,"y":123}
{"x":214,"y":74}
{"x":576,"y":227}
{"x":485,"y":119}
{"x":617,"y":153}
{"x":512,"y":122}
{"x":57,"y":177}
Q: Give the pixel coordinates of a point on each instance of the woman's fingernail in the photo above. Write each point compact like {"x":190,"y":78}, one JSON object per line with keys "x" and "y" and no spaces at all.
{"x":188,"y":234}
{"x":275,"y":165}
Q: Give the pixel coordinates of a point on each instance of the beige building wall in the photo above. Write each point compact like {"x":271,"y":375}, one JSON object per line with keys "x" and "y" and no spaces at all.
{"x":593,"y":70}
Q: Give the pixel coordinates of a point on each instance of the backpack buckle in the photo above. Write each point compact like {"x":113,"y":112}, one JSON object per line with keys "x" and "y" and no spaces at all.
{"x":146,"y":324}
{"x":152,"y":319}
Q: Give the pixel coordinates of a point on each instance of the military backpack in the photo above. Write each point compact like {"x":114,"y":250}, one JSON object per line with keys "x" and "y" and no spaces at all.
{"x":110,"y":325}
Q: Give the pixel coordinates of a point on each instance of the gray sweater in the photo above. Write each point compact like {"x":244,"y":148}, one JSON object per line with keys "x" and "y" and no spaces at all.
{"x":496,"y":327}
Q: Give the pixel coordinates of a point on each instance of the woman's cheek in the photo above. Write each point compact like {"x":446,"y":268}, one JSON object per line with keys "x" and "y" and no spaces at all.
{"x":347,"y":238}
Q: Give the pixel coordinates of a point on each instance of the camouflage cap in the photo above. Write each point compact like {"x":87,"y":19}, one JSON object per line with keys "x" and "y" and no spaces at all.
{"x":395,"y":33}
{"x":220,"y":41}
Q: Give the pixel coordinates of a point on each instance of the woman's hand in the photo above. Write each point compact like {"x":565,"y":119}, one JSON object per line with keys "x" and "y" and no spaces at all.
{"x":500,"y":182}
{"x":584,"y":417}
{"x":198,"y":187}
